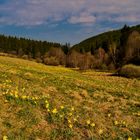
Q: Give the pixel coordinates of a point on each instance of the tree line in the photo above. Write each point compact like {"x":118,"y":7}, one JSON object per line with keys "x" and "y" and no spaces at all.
{"x":109,"y":50}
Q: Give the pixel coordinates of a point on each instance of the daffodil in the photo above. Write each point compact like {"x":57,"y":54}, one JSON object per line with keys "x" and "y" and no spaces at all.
{"x":16,"y":92}
{"x":70,"y":125}
{"x":6,"y":101}
{"x":109,"y":115}
{"x":72,"y":109}
{"x":16,"y":95}
{"x":69,"y":121}
{"x":62,"y":107}
{"x":88,"y":122}
{"x":116,"y":122}
{"x":70,"y":114}
{"x":92,"y":124}
{"x":47,"y":105}
{"x":46,"y":101}
{"x":75,"y":119}
{"x":61,"y":116}
{"x":100,"y":131}
{"x":129,"y":138}
{"x":23,"y":97}
{"x":11,"y":94}
{"x":54,"y":111}
{"x":124,"y":123}
{"x":5,"y":138}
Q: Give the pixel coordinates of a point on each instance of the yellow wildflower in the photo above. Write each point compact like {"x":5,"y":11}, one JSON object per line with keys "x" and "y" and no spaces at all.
{"x":54,"y":111}
{"x":69,"y":121}
{"x":75,"y":119}
{"x":5,"y":138}
{"x":62,"y":107}
{"x":93,"y":125}
{"x":47,"y":105}
{"x":16,"y":92}
{"x":23,"y":89}
{"x":129,"y":138}
{"x":70,"y":125}
{"x":23,"y":97}
{"x":88,"y":122}
{"x":100,"y":131}
{"x":16,"y":95}
{"x":70,"y":114}
{"x":116,"y":122}
{"x":11,"y":94}
{"x":61,"y":116}
{"x":3,"y":93}
{"x":6,"y":101}
{"x":124,"y":123}
{"x":46,"y":101}
{"x":109,"y":115}
{"x":72,"y":109}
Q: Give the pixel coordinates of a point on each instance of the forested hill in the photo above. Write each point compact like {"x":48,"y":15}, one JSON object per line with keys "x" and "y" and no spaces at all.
{"x":22,"y":46}
{"x":109,"y":50}
{"x":105,"y":39}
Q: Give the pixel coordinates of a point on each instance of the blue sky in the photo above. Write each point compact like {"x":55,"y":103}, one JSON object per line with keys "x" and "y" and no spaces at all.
{"x":65,"y":20}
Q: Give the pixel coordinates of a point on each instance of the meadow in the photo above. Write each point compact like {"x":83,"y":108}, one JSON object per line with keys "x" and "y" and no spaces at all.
{"x":39,"y":102}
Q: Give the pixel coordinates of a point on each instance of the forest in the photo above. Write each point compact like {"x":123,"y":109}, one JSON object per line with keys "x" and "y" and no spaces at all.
{"x":107,"y":51}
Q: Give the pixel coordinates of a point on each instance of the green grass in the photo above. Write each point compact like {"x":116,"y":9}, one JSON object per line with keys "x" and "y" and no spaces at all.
{"x":39,"y":102}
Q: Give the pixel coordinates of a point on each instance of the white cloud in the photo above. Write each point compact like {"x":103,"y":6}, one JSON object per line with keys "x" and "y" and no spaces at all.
{"x":127,"y":18}
{"x":83,"y":18}
{"x":38,"y":12}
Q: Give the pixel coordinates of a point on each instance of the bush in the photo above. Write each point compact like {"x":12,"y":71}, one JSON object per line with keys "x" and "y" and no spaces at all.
{"x":38,"y":60}
{"x":111,"y":66}
{"x":51,"y":61}
{"x":130,"y":71}
{"x":25,"y":57}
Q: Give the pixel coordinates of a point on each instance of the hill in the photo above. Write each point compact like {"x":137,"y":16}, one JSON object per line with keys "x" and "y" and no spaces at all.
{"x":103,"y":40}
{"x":39,"y":102}
{"x":107,"y":51}
{"x":111,"y":50}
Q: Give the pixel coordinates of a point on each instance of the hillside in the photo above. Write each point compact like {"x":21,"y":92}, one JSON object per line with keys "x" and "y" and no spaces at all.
{"x":102,"y":40}
{"x":39,"y":102}
{"x":24,"y":46}
{"x":107,"y":51}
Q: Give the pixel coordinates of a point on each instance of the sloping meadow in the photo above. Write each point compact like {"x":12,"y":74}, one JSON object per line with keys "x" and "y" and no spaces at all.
{"x":43,"y":102}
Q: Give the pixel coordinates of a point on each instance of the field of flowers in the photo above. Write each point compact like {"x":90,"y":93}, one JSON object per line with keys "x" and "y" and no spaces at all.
{"x":39,"y":102}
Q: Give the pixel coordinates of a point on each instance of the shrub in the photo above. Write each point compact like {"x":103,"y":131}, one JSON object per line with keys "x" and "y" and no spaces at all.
{"x":130,"y":71}
{"x":111,"y":66}
{"x":25,"y":57}
{"x":51,"y":61}
{"x":38,"y":60}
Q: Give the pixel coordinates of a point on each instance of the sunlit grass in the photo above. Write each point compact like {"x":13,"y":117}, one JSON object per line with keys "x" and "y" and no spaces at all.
{"x":59,"y":103}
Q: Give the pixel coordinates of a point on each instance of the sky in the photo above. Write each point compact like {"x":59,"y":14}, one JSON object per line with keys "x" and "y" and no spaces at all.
{"x":66,"y":20}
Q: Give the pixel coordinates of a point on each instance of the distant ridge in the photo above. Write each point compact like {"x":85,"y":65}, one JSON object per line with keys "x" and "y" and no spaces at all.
{"x":102,"y":40}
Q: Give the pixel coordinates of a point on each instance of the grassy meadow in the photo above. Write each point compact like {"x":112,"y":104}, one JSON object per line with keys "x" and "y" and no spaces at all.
{"x":39,"y":102}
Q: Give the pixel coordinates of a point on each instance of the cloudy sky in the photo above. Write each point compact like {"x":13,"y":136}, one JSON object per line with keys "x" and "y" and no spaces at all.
{"x":65,"y":20}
